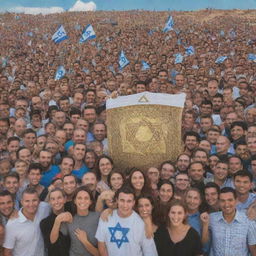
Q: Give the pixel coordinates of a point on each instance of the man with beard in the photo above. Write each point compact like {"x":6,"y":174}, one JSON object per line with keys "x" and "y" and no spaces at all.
{"x":49,"y":170}
{"x":217,"y":104}
{"x":90,"y":180}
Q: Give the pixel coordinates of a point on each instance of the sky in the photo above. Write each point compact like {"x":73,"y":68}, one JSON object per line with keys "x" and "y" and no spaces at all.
{"x":47,"y":6}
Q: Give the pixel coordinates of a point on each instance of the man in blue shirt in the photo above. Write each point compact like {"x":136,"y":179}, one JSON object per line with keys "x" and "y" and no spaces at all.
{"x":232,"y":233}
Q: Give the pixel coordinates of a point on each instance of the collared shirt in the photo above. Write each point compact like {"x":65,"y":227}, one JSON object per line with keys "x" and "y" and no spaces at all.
{"x":231,"y":239}
{"x":23,"y":236}
{"x":194,"y":222}
{"x":245,"y":205}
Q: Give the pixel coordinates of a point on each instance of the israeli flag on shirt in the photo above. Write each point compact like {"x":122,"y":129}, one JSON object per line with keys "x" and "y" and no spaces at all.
{"x":252,"y":57}
{"x":145,"y":65}
{"x":220,"y":59}
{"x":88,"y":34}
{"x":60,"y":35}
{"x":123,"y":61}
{"x":169,"y":25}
{"x":178,"y":58}
{"x":190,"y":50}
{"x":60,"y":73}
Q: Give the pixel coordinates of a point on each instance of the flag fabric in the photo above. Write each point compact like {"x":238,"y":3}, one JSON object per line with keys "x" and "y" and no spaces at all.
{"x":220,"y":59}
{"x":232,"y":33}
{"x":30,"y":43}
{"x":123,"y":61}
{"x":145,"y":65}
{"x":252,"y":57}
{"x":60,"y":73}
{"x":222,"y":33}
{"x":88,"y":34}
{"x":60,"y":35}
{"x":178,"y":58}
{"x":190,"y":50}
{"x":169,"y":25}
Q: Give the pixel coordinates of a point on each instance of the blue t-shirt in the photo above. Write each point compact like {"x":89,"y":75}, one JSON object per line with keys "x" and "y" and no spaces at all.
{"x":49,"y":175}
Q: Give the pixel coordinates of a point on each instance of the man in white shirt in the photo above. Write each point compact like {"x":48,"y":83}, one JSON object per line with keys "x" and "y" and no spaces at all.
{"x":23,"y":236}
{"x":124,"y":232}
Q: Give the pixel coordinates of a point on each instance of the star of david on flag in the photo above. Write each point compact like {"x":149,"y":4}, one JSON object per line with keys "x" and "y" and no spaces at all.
{"x":190,"y":50}
{"x":123,"y":61}
{"x":60,"y":35}
{"x":88,"y":34}
{"x":118,"y":235}
{"x":220,"y":59}
{"x":169,"y":24}
{"x":60,"y":73}
{"x":145,"y":65}
{"x":252,"y":57}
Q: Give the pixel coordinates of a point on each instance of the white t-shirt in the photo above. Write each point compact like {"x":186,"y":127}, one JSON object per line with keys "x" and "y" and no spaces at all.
{"x":125,"y":236}
{"x":24,"y":236}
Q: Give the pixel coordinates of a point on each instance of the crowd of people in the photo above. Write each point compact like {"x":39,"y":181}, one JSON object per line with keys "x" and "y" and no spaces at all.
{"x":62,"y":194}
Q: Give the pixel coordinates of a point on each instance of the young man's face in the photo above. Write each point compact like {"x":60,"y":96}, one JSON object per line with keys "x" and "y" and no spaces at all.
{"x":242,"y":184}
{"x":125,"y":204}
{"x":30,"y":203}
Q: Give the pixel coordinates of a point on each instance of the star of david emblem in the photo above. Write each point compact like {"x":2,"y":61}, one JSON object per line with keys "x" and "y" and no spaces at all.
{"x":118,"y":235}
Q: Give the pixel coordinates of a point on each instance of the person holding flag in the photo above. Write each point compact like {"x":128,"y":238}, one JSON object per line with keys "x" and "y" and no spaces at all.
{"x":60,"y":35}
{"x":169,"y":25}
{"x":88,"y":34}
{"x":123,"y":61}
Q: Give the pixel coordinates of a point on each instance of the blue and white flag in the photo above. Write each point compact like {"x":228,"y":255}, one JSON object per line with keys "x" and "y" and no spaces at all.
{"x":88,"y":34}
{"x":169,"y":25}
{"x":60,"y":73}
{"x":77,"y":27}
{"x":60,"y":35}
{"x":123,"y":61}
{"x":232,"y":33}
{"x":190,"y":50}
{"x":145,"y":65}
{"x":252,"y":57}
{"x":222,"y":33}
{"x":220,"y":59}
{"x":178,"y":58}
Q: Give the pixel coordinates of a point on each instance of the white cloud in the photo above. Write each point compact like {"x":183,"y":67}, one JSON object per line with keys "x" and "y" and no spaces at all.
{"x":36,"y":10}
{"x":80,"y":6}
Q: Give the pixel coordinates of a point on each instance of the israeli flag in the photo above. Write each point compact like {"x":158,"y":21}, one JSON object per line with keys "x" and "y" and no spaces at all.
{"x":220,"y":59}
{"x":178,"y":58}
{"x":123,"y":61}
{"x":145,"y":65}
{"x":222,"y":33}
{"x":88,"y":34}
{"x":190,"y":50}
{"x":60,"y":73}
{"x":60,"y":35}
{"x":169,"y":25}
{"x":252,"y":57}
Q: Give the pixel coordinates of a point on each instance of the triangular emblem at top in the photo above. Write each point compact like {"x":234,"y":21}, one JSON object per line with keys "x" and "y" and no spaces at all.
{"x":143,"y":99}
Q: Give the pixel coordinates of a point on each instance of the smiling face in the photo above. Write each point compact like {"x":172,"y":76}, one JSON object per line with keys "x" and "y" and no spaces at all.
{"x":82,"y":201}
{"x":165,"y":193}
{"x":57,"y":201}
{"x":145,"y":207}
{"x":177,"y":215}
{"x":137,"y":180}
{"x":105,"y":166}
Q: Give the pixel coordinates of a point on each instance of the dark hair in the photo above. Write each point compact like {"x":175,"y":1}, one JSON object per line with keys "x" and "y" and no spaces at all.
{"x":243,"y":173}
{"x":126,"y":189}
{"x":12,"y":175}
{"x":241,"y":124}
{"x":191,"y":133}
{"x":212,"y":185}
{"x":13,"y":138}
{"x":6,"y":193}
{"x":163,"y":182}
{"x":35,"y":166}
{"x":57,"y":189}
{"x":6,"y":120}
{"x":98,"y":164}
{"x":69,"y":157}
{"x":167,"y":162}
{"x":86,"y":189}
{"x":112,"y":173}
{"x":228,"y":190}
{"x":172,"y":204}
{"x":27,"y":131}
{"x":75,"y":111}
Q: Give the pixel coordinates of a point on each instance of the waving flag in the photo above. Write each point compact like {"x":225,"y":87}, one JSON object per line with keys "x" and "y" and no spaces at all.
{"x":123,"y":61}
{"x":60,"y":35}
{"x":252,"y":57}
{"x":220,"y":59}
{"x":169,"y":25}
{"x":88,"y":34}
{"x":60,"y":73}
{"x":145,"y":65}
{"x":178,"y":58}
{"x":190,"y":50}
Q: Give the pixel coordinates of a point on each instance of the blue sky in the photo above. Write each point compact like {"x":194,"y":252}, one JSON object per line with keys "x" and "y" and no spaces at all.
{"x":136,"y":4}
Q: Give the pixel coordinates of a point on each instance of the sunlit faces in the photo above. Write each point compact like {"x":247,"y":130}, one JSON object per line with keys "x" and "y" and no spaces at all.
{"x":67,"y":165}
{"x":196,"y":171}
{"x":182,"y":181}
{"x":222,"y":145}
{"x":21,"y":168}
{"x":105,"y":166}
{"x":116,"y":181}
{"x":251,"y":142}
{"x":235,"y":164}
{"x":166,"y":192}
{"x":30,"y":203}
{"x":183,"y":163}
{"x":57,"y":201}
{"x":193,"y":200}
{"x":167,"y":171}
{"x":69,"y":185}
{"x":137,"y":180}
{"x":89,"y":179}
{"x":79,"y":151}
{"x":145,"y":207}
{"x":45,"y":158}
{"x":90,"y":159}
{"x":11,"y":184}
{"x":125,"y":204}
{"x":237,"y":132}
{"x":221,"y":171}
{"x":228,"y":203}
{"x":34,"y":177}
{"x":153,"y":175}
{"x":211,"y":196}
{"x":177,"y":215}
{"x":242,"y":184}
{"x":82,"y":201}
{"x":6,"y":205}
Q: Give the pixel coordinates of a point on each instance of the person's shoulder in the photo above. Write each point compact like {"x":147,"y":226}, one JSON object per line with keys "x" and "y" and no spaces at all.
{"x":137,"y":218}
{"x":95,"y":215}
